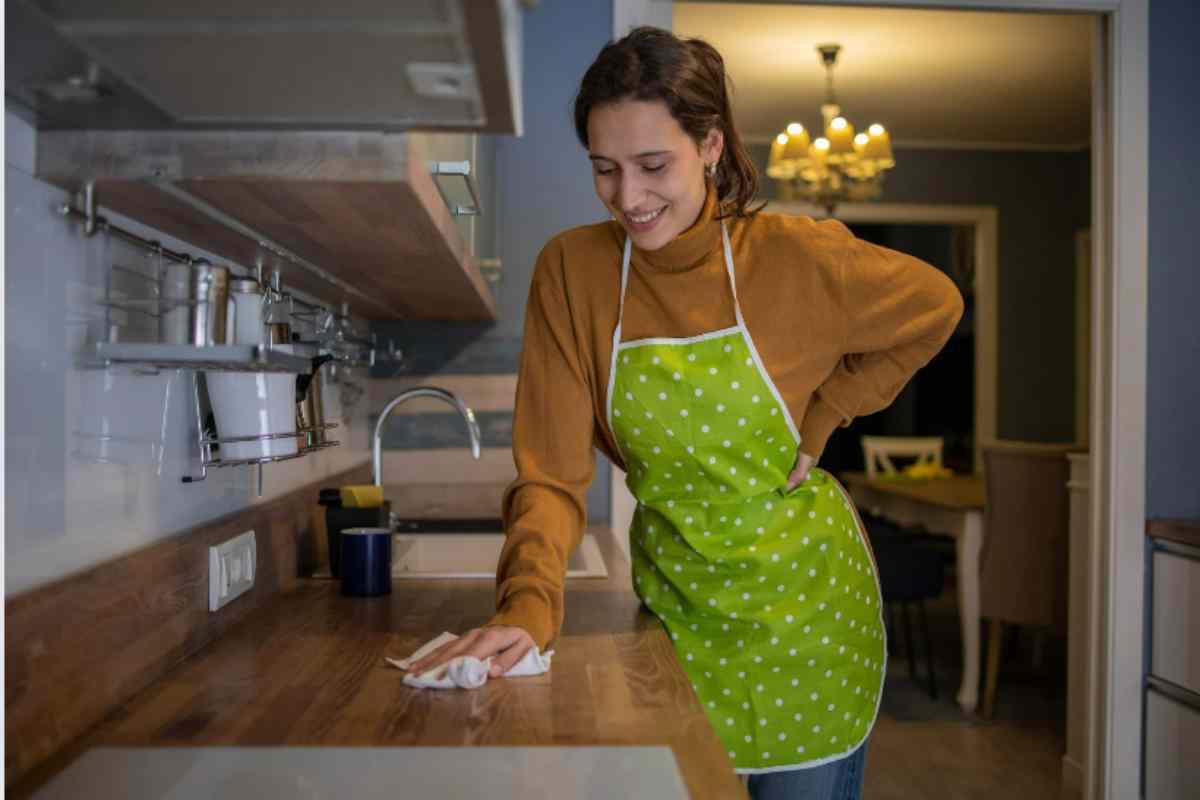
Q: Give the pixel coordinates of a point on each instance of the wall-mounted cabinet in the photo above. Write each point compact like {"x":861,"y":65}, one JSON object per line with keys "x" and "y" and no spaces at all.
{"x":280,"y":134}
{"x":1171,"y":733}
{"x":382,"y":65}
{"x":345,"y":216}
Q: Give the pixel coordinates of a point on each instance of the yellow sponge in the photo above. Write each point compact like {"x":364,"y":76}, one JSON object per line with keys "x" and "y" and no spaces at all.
{"x":363,"y":496}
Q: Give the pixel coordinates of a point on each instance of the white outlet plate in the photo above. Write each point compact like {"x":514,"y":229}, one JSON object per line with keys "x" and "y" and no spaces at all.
{"x":232,"y":566}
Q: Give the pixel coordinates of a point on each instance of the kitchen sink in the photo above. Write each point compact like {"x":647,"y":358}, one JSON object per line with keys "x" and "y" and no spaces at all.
{"x":448,"y":525}
{"x":475,"y":555}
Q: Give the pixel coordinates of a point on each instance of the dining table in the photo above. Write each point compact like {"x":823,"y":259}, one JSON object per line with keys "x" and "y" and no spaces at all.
{"x":951,"y":506}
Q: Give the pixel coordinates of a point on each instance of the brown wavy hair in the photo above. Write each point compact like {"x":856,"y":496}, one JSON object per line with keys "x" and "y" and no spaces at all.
{"x":688,"y":75}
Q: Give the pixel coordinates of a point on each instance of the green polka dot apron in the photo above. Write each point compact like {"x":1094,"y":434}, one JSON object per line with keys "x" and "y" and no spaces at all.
{"x":770,"y":597}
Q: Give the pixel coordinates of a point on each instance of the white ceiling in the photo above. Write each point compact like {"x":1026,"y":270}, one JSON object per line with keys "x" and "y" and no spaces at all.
{"x":950,"y":79}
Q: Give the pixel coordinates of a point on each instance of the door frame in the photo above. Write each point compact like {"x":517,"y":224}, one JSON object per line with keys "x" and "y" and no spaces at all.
{"x":1120,"y":267}
{"x":984,"y":222}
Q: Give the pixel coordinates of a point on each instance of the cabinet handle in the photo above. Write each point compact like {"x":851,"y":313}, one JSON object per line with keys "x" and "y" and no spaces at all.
{"x":1177,"y":693}
{"x":463,"y":170}
{"x":1180,"y":549}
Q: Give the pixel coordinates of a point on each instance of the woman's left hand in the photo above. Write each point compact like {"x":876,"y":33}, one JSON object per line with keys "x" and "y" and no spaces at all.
{"x":799,"y":473}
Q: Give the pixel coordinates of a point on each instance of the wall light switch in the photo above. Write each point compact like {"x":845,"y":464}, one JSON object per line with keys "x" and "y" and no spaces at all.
{"x":231,"y":568}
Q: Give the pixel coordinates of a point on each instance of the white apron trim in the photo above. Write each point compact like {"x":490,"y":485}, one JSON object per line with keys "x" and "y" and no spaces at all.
{"x":617,"y":345}
{"x":816,"y":762}
{"x":688,"y":340}
{"x":762,"y":369}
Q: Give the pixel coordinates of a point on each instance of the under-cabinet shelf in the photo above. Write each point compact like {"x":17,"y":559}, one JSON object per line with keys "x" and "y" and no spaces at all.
{"x":347,"y":216}
{"x":214,"y":358}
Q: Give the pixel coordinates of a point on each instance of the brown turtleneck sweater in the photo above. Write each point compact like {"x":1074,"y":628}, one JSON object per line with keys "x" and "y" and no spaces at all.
{"x":841,"y":325}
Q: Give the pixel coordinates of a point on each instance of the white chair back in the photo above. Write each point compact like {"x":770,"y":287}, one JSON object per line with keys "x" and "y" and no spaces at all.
{"x":878,"y":451}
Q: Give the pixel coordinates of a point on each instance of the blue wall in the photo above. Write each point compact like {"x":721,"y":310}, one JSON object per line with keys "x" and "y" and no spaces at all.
{"x":545,"y":176}
{"x":1173,"y":391}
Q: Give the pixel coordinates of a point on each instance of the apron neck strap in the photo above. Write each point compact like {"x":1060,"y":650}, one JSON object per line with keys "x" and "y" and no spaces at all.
{"x":625,"y":260}
{"x":728,"y":248}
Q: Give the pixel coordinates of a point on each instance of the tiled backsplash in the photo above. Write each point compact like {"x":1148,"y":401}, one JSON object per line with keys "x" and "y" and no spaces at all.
{"x":72,"y":498}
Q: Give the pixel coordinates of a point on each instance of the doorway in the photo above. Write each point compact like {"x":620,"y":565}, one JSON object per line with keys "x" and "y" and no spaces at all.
{"x":1117,"y":407}
{"x":978,"y":227}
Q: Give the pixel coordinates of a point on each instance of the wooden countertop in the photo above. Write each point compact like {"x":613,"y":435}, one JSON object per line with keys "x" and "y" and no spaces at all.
{"x":1183,"y":531}
{"x":309,"y":670}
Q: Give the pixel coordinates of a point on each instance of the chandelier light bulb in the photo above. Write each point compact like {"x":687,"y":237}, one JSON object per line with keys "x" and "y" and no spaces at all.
{"x":880,"y":147}
{"x":796,"y":148}
{"x":841,"y":165}
{"x":775,"y":165}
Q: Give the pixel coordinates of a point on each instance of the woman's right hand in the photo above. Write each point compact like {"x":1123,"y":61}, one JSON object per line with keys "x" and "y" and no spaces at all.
{"x":799,"y":473}
{"x":507,"y":643}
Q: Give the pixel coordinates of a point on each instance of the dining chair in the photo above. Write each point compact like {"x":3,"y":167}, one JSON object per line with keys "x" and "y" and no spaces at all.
{"x":878,"y":451}
{"x":910,"y":572}
{"x":1023,"y":572}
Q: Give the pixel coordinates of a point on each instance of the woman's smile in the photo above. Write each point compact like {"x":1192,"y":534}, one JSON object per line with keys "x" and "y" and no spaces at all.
{"x":643,"y":222}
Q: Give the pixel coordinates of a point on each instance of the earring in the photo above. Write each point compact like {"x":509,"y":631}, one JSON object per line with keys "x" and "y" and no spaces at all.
{"x":711,"y":169}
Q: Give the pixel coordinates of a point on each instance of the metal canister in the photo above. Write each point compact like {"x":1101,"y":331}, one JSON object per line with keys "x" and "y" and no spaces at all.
{"x":210,"y":294}
{"x":279,"y":333}
{"x":310,"y":408}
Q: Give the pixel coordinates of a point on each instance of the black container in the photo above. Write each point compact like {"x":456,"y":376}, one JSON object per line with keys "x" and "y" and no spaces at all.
{"x":366,"y":562}
{"x":337,"y":519}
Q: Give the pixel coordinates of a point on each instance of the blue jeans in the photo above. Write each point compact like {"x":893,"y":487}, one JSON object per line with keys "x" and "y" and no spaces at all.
{"x":837,"y":780}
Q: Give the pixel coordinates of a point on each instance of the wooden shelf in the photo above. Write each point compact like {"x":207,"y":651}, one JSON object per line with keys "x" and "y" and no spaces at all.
{"x":344,"y":215}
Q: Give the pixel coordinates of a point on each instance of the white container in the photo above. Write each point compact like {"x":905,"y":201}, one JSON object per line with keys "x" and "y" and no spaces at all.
{"x":244,"y":318}
{"x":254,"y":404}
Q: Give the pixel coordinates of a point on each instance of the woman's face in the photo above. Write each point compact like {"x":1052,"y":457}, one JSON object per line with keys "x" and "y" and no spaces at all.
{"x":647,"y":170}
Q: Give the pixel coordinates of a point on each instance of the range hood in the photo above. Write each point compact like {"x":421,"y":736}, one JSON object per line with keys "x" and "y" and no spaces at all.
{"x":377,"y":65}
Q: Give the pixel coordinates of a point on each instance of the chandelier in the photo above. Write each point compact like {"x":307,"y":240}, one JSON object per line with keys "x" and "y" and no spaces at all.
{"x":837,"y":167}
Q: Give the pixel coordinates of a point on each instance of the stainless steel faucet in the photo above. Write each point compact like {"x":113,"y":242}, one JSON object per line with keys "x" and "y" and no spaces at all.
{"x":419,"y":391}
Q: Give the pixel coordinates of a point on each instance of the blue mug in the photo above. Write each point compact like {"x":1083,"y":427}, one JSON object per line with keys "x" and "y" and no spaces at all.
{"x":366,"y":562}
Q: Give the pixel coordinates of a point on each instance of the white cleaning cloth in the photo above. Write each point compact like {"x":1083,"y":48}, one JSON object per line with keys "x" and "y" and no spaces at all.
{"x":466,"y":672}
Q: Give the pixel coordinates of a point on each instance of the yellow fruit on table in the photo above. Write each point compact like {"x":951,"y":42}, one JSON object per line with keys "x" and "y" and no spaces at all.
{"x":927,"y":470}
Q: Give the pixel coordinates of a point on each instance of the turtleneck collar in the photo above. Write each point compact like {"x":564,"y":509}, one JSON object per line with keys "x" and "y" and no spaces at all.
{"x":687,"y":250}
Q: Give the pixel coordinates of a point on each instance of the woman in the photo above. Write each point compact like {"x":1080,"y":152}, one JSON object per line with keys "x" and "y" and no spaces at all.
{"x":638,"y":341}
